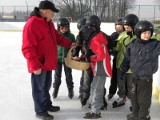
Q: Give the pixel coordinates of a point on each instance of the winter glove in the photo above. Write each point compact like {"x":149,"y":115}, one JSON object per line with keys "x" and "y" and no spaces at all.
{"x":88,"y":54}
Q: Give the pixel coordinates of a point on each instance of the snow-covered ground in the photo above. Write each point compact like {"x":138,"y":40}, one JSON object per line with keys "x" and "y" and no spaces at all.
{"x":15,"y":89}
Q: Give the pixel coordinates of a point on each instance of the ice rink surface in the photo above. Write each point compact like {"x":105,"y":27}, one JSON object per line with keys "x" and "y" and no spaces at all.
{"x":15,"y":89}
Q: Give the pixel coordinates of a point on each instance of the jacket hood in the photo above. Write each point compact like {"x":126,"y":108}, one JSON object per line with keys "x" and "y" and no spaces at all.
{"x":35,"y":12}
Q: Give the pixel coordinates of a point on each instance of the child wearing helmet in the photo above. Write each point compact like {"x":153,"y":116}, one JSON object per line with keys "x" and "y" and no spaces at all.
{"x":142,"y":58}
{"x":124,"y":39}
{"x":119,"y":29}
{"x":100,"y":65}
{"x":63,"y":27}
{"x":87,"y":76}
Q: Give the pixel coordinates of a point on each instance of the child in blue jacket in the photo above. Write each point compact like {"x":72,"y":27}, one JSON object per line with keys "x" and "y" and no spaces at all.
{"x":142,"y":58}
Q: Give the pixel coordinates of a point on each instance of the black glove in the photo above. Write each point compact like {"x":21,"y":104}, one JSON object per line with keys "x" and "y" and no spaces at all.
{"x":88,"y":54}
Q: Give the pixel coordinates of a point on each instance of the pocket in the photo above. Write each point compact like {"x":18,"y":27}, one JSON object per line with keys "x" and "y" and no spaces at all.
{"x":100,"y":69}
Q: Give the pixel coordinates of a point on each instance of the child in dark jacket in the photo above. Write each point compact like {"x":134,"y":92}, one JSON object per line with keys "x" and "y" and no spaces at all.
{"x":87,"y":75}
{"x":63,"y":26}
{"x":119,"y":29}
{"x":99,"y":59}
{"x":142,"y":58}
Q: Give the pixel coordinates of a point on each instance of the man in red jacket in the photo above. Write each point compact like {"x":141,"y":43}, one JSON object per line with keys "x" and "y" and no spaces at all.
{"x":39,"y":47}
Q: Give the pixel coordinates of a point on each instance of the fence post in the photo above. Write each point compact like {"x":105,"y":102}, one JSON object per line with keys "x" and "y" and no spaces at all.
{"x":154,"y":14}
{"x":139,"y":7}
{"x":15,"y":13}
{"x":27,"y":7}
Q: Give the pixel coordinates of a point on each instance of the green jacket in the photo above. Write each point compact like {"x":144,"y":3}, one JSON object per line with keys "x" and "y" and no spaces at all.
{"x":122,"y":42}
{"x":156,"y":36}
{"x":62,"y":52}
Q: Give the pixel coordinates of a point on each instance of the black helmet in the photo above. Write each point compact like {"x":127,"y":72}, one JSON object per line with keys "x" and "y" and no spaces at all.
{"x":94,"y":21}
{"x":63,"y":22}
{"x":81,"y":22}
{"x":130,"y":20}
{"x":86,"y":32}
{"x":143,"y":26}
{"x":118,"y":21}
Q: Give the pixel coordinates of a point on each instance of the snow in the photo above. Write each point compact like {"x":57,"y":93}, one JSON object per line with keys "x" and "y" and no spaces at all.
{"x":15,"y":89}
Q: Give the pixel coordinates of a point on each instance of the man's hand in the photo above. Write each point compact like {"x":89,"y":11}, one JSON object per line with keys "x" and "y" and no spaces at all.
{"x":38,"y":72}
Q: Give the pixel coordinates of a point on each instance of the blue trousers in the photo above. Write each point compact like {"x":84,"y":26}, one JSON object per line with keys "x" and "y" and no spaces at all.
{"x":41,"y":85}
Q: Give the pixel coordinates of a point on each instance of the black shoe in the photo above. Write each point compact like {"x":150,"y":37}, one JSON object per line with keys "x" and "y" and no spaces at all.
{"x":70,"y":93}
{"x":54,"y":109}
{"x":110,"y":96}
{"x":45,"y":116}
{"x":55,"y":92}
{"x":119,"y":102}
{"x":80,"y":96}
{"x":131,"y":117}
{"x":104,"y":107}
{"x":91,"y":115}
{"x":130,"y":108}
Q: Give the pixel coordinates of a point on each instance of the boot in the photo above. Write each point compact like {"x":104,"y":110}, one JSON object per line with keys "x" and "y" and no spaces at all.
{"x":110,"y":96}
{"x":70,"y":93}
{"x":83,"y":101}
{"x":130,"y":108}
{"x":131,"y":117}
{"x":119,"y":102}
{"x":55,"y":92}
{"x":53,"y":108}
{"x":91,"y":115}
{"x":45,"y":116}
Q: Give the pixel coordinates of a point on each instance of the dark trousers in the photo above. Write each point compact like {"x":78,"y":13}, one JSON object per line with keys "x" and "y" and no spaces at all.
{"x":58,"y":75}
{"x":85,"y":83}
{"x":81,"y":83}
{"x":141,"y":95}
{"x":41,"y":85}
{"x":125,"y":85}
{"x":113,"y":86}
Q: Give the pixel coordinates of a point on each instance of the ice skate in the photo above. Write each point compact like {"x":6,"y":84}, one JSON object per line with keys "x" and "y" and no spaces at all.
{"x":119,"y":102}
{"x":91,"y":115}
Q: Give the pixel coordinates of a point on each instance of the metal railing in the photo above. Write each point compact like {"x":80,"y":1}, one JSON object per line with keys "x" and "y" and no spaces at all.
{"x":21,"y":13}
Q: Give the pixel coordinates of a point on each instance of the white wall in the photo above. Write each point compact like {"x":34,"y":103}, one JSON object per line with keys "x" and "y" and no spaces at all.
{"x":105,"y":27}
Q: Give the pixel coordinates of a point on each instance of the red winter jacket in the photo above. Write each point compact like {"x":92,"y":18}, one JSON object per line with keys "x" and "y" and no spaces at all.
{"x":98,"y":44}
{"x":39,"y":46}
